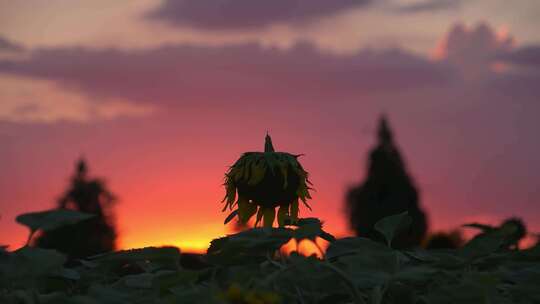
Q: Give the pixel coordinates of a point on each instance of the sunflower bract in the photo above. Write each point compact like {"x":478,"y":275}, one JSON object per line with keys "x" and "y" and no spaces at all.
{"x":259,"y":182}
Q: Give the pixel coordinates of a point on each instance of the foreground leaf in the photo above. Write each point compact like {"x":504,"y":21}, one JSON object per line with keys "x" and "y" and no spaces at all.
{"x":392,"y":225}
{"x":51,"y":219}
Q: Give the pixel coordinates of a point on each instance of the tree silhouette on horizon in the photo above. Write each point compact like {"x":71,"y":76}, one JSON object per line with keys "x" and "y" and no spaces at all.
{"x":93,"y":236}
{"x":386,"y":190}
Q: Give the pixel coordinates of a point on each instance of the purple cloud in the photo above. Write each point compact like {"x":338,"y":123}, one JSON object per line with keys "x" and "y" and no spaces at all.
{"x":183,"y":74}
{"x":429,"y":6}
{"x":238,"y":14}
{"x":528,"y":56}
{"x":9,"y":46}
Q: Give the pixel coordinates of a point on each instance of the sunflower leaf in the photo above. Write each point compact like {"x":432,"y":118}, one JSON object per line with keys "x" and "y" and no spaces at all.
{"x":231,"y":216}
{"x":294,"y":210}
{"x":390,"y":226}
{"x":245,"y":210}
{"x":269,"y":216}
{"x":283,"y":214}
{"x":259,"y":216}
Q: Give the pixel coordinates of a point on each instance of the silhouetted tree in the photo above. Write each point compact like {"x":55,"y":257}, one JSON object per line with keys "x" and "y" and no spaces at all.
{"x":387,"y":190}
{"x":445,"y":240}
{"x":92,"y":236}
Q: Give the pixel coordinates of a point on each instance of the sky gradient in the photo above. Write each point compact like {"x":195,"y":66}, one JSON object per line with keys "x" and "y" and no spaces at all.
{"x":161,"y":96}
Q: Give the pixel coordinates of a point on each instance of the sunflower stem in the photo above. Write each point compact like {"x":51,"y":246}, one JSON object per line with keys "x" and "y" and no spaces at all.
{"x":268,"y":147}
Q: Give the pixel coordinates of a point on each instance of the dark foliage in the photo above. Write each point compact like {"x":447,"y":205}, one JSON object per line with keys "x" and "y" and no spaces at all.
{"x":387,"y":190}
{"x":90,"y":237}
{"x":445,"y":240}
{"x":515,"y":225}
{"x":247,"y":268}
{"x":520,"y":231}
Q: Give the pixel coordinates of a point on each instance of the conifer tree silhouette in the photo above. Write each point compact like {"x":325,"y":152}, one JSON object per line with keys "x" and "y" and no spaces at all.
{"x":387,"y":190}
{"x":93,"y":236}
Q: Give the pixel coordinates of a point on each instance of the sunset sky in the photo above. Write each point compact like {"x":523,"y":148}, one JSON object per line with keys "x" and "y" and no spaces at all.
{"x":161,"y":96}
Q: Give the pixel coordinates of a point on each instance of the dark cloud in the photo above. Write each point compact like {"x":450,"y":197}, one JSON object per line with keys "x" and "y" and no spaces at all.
{"x":9,"y":46}
{"x":528,"y":56}
{"x":186,"y":74}
{"x":237,"y":14}
{"x":429,"y":6}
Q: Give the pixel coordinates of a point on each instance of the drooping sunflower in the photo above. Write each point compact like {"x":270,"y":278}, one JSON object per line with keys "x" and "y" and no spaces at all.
{"x":259,"y":182}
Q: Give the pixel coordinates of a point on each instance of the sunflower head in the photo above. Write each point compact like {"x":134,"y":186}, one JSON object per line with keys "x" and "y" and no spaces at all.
{"x":260,"y":182}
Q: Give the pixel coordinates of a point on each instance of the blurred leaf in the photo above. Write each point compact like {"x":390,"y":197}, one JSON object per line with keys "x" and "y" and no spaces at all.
{"x":310,"y":279}
{"x":355,"y":270}
{"x":487,"y":243}
{"x":399,"y":293}
{"x":142,"y":280}
{"x":376,"y":295}
{"x":230,"y":217}
{"x":475,"y":287}
{"x":416,"y":274}
{"x":108,"y":295}
{"x":248,"y":246}
{"x":51,"y":219}
{"x":390,"y":226}
{"x":32,"y":261}
{"x":69,"y":274}
{"x":28,"y":266}
{"x":369,"y":263}
{"x":165,"y":280}
{"x":311,"y":228}
{"x":440,"y":258}
{"x":196,"y":295}
{"x":479,"y":226}
{"x":369,"y":270}
{"x":354,"y":245}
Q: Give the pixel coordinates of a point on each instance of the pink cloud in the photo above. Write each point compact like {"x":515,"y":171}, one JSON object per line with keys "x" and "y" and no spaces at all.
{"x":30,"y":100}
{"x":182,"y":74}
{"x":474,"y":50}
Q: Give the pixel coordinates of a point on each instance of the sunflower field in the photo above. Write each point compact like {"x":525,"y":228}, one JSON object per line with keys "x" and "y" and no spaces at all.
{"x":248,"y":267}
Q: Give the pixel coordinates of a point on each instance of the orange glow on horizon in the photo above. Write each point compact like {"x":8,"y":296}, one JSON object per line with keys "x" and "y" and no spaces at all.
{"x":186,"y":246}
{"x":306,"y":247}
{"x":187,"y":243}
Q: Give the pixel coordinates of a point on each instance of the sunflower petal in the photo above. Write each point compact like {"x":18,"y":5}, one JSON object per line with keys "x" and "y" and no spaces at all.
{"x":245,"y":210}
{"x":283,"y":214}
{"x":294,"y":210}
{"x":269,"y":216}
{"x":283,"y":168}
{"x":230,"y":216}
{"x":258,"y":170}
{"x":259,"y":216}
